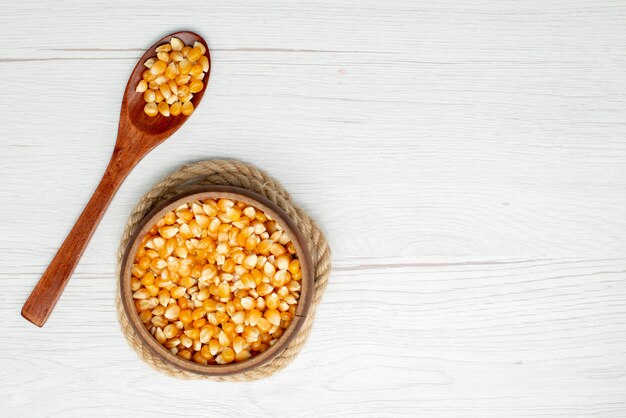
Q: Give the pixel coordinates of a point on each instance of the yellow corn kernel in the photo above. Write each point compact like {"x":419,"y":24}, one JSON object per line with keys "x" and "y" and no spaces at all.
{"x":194,"y":54}
{"x":177,"y":44}
{"x":171,"y":100}
{"x":282,"y":261}
{"x":183,"y":303}
{"x":137,"y":271}
{"x":204,"y":62}
{"x":141,"y":86}
{"x":178,"y":292}
{"x":148,"y":76}
{"x":223,"y":339}
{"x":282,"y":292}
{"x":221,"y":317}
{"x":264,"y":289}
{"x":253,"y":317}
{"x":185,"y":316}
{"x":198,"y":358}
{"x":290,"y":300}
{"x":243,"y":355}
{"x":186,"y":354}
{"x":264,"y":246}
{"x":187,"y":282}
{"x":171,"y":343}
{"x":200,"y":46}
{"x":264,"y":325}
{"x":176,"y":108}
{"x":170,"y":331}
{"x":164,"y":297}
{"x":145,"y":316}
{"x":223,"y":290}
{"x":294,"y":266}
{"x":277,"y":249}
{"x":186,"y":341}
{"x":193,"y":333}
{"x":164,"y":48}
{"x":149,"y":62}
{"x":176,"y":56}
{"x":158,"y":67}
{"x":158,"y":96}
{"x":239,"y":344}
{"x":171,"y":312}
{"x":272,"y":301}
{"x":249,"y":262}
{"x":228,"y":355}
{"x":195,"y":70}
{"x":171,"y":71}
{"x":184,"y":67}
{"x":206,"y":333}
{"x":238,"y":317}
{"x":248,"y":303}
{"x":161,"y":79}
{"x":142,"y":304}
{"x":251,"y":334}
{"x":187,"y":108}
{"x":164,"y":109}
{"x":280,"y":278}
{"x":149,"y":95}
{"x":214,"y":347}
{"x":141,"y":294}
{"x":197,"y":314}
{"x":269,"y":270}
{"x":182,"y":80}
{"x":252,"y":242}
{"x":195,"y":86}
{"x":164,"y":56}
{"x":185,"y":50}
{"x":160,"y":336}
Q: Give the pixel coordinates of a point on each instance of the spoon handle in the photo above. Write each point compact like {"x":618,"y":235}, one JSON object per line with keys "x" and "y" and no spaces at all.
{"x":46,"y":293}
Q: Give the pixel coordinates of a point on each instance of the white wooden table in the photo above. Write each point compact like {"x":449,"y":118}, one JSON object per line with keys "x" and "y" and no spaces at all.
{"x":467,"y":161}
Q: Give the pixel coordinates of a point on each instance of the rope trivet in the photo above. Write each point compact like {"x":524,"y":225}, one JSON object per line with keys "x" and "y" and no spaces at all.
{"x":233,"y":173}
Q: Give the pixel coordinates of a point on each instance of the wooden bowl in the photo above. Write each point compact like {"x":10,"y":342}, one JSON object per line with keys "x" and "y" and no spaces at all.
{"x":216,"y":192}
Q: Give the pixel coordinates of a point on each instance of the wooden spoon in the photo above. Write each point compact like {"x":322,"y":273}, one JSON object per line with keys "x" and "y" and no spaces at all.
{"x":137,"y":135}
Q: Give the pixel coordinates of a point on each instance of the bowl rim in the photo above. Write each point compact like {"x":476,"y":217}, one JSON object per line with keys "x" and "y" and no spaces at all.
{"x":207,"y":192}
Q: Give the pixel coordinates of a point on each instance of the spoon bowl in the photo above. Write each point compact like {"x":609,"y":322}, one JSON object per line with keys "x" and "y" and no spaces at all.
{"x":159,"y":127}
{"x":137,"y":135}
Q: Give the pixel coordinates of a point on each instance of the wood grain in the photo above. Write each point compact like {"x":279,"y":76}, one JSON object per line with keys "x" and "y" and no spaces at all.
{"x":466,"y":160}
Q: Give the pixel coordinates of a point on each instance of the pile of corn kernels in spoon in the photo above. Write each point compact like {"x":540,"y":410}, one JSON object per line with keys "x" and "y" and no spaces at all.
{"x":172,"y":77}
{"x":216,"y":282}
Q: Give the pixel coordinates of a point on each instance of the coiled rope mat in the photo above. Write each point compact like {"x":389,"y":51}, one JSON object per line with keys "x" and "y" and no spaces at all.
{"x":232,"y":173}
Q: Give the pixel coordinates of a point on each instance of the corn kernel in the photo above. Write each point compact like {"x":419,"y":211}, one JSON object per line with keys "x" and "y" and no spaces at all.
{"x":194,"y":54}
{"x":176,"y":56}
{"x":164,"y":56}
{"x":142,"y":86}
{"x":158,"y":67}
{"x":195,"y":70}
{"x":164,"y":48}
{"x":204,"y":62}
{"x":195,"y":86}
{"x":176,"y":108}
{"x":187,"y":108}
